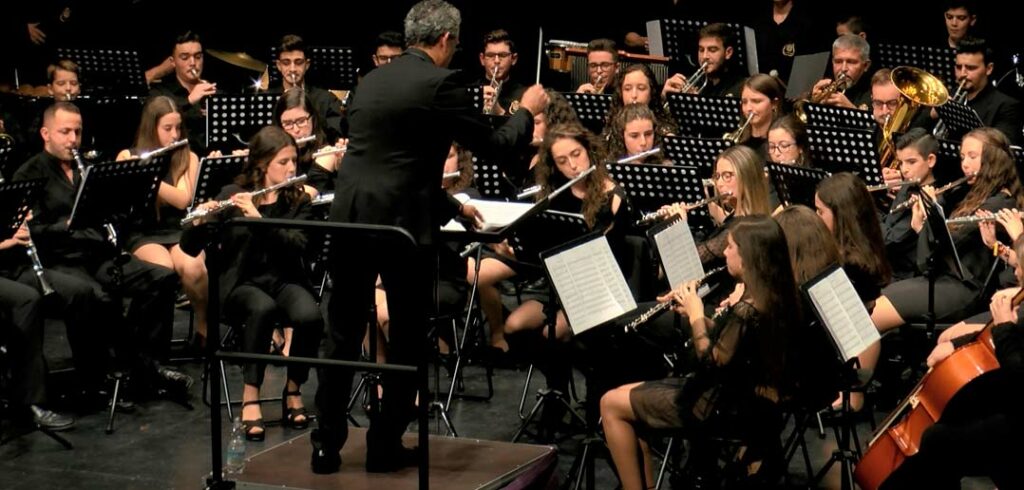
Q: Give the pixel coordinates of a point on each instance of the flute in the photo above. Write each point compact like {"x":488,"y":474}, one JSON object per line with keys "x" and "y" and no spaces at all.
{"x":325,"y":198}
{"x":330,"y":151}
{"x":639,"y":156}
{"x":910,"y":202}
{"x":893,"y":185}
{"x":963,"y":220}
{"x":305,"y":139}
{"x":654,"y":310}
{"x":663,"y":212}
{"x":227,"y":203}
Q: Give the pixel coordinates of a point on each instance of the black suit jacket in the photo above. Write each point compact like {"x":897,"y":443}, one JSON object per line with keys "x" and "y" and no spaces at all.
{"x":999,"y":111}
{"x":402,"y":121}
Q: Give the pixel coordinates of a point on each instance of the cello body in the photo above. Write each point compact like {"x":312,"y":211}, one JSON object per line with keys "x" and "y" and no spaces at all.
{"x":899,"y":437}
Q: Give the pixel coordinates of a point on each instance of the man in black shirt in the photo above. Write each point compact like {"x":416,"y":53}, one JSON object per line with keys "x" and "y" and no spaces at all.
{"x":187,"y":88}
{"x":143,"y":337}
{"x":851,"y":55}
{"x":498,"y":57}
{"x":996,"y":109}
{"x":716,"y":47}
{"x":293,"y":64}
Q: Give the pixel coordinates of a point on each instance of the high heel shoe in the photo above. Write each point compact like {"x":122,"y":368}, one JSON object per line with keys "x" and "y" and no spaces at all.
{"x":289,"y":415}
{"x":250,"y":425}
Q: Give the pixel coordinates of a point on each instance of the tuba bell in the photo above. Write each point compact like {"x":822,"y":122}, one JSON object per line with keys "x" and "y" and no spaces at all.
{"x":918,"y":88}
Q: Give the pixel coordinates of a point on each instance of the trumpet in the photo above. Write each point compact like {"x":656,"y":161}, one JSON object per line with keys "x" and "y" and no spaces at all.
{"x":941,"y":131}
{"x":963,"y":220}
{"x":664,"y":212}
{"x":696,"y":82}
{"x":893,"y":185}
{"x":735,"y":136}
{"x":839,"y":85}
{"x":496,"y":85}
{"x":654,"y":310}
{"x":227,"y":203}
{"x":913,"y":199}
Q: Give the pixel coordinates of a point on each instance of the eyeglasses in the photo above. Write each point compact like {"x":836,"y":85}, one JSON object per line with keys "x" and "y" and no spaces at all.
{"x":780,"y":146}
{"x":600,"y":66}
{"x":385,"y":58}
{"x":891,"y":104}
{"x":493,"y":56}
{"x":296,"y":123}
{"x":724,"y":176}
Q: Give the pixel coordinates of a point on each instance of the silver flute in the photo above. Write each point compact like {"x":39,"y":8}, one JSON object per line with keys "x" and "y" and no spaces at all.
{"x":963,"y":220}
{"x":913,"y":199}
{"x":330,"y":150}
{"x":664,"y":212}
{"x":893,"y":185}
{"x":658,"y":308}
{"x":305,"y":139}
{"x":227,"y":203}
{"x":639,"y":156}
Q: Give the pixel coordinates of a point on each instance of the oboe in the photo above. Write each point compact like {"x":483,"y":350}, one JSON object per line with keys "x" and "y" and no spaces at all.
{"x":910,"y":202}
{"x":656,"y":309}
{"x":227,"y":203}
{"x":663,"y":212}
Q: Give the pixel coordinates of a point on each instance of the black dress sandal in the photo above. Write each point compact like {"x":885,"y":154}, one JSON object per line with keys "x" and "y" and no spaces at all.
{"x":250,"y":425}
{"x":289,"y":415}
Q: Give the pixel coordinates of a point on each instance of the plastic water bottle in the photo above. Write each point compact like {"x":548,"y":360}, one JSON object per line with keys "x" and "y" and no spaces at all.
{"x":234,"y":459}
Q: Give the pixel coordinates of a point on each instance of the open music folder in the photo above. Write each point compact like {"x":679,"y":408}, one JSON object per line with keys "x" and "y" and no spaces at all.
{"x":678,"y":253}
{"x":589,"y":282}
{"x":840,"y":309}
{"x":496,"y":214}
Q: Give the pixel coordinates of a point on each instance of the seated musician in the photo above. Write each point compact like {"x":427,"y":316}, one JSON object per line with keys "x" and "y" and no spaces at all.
{"x":716,"y":47}
{"x":636,"y":85}
{"x":788,"y":143}
{"x":602,"y":65}
{"x":265,"y":282}
{"x":742,"y":355}
{"x":295,"y":114}
{"x":917,"y":153}
{"x":155,"y":238}
{"x":996,"y":109}
{"x":960,"y":16}
{"x":187,"y":88}
{"x":293,"y":64}
{"x":762,"y":96}
{"x":851,"y":56}
{"x":63,"y":80}
{"x":388,"y":46}
{"x":497,"y":59}
{"x":87,"y":257}
{"x":634,"y":131}
{"x":980,"y":437}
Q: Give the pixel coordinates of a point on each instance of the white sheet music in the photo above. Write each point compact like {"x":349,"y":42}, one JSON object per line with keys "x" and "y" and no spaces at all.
{"x":496,"y":214}
{"x":678,"y":252}
{"x":590,"y":284}
{"x":843,"y":313}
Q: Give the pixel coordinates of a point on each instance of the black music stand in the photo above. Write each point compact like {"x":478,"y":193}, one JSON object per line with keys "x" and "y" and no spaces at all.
{"x":490,"y":179}
{"x":795,"y":185}
{"x":940,"y":245}
{"x":846,"y":150}
{"x":651,"y":186}
{"x":110,"y":194}
{"x":677,"y":39}
{"x":108,"y":70}
{"x":838,"y":117}
{"x":330,"y":67}
{"x":110,"y":120}
{"x":938,"y":61}
{"x":215,"y":173}
{"x":958,"y":118}
{"x":710,"y":117}
{"x":695,"y":152}
{"x":591,"y":109}
{"x":232,"y":119}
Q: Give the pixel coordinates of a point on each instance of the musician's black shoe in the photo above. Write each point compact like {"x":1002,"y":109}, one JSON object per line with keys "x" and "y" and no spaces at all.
{"x":326,"y":457}
{"x":48,"y":419}
{"x":391,"y":460}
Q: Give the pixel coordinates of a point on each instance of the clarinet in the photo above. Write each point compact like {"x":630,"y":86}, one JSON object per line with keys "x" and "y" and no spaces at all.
{"x":660,"y":307}
{"x":37,"y":266}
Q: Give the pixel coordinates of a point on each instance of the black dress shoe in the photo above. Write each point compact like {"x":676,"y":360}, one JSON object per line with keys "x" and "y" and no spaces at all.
{"x":326,"y":457}
{"x":391,"y":461}
{"x":48,"y":419}
{"x":175,"y":380}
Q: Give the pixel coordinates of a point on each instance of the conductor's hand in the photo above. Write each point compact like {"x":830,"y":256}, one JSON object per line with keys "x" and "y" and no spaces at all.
{"x":535,"y":99}
{"x":243,"y":200}
{"x":470,"y":213}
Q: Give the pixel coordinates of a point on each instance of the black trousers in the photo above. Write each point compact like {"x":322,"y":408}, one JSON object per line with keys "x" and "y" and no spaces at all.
{"x":142,"y":336}
{"x":261,"y":305}
{"x":409,"y":282}
{"x":21,"y":330}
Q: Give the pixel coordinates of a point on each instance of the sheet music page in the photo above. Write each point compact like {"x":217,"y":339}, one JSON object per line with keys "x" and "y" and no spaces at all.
{"x":678,"y":252}
{"x":498,"y":214}
{"x":589,"y":284}
{"x":844,"y":314}
{"x":655,"y":45}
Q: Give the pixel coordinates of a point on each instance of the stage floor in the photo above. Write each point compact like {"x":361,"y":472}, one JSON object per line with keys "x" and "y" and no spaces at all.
{"x":455,"y":464}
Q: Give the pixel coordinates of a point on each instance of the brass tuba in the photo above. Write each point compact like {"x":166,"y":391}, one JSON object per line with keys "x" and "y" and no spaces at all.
{"x":918,"y":88}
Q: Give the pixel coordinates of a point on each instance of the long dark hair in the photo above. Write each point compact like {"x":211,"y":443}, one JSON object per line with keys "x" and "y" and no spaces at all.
{"x":617,"y":138}
{"x":998,"y":171}
{"x":769,"y":285}
{"x":665,"y":122}
{"x":262,"y":149}
{"x":855,"y":224}
{"x":146,"y":138}
{"x":811,"y":246}
{"x":792,"y":125}
{"x":297,"y":99}
{"x":550,"y":178}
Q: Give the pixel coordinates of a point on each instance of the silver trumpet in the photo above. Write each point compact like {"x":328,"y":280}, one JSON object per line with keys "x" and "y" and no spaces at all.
{"x":736,"y":135}
{"x":654,"y":310}
{"x":37,"y":265}
{"x":696,"y":82}
{"x":893,"y":185}
{"x":913,"y":199}
{"x":496,"y":85}
{"x":963,"y":220}
{"x":664,"y":212}
{"x":227,"y":203}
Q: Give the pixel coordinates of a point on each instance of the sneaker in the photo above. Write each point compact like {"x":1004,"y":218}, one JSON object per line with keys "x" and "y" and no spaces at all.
{"x":48,"y":419}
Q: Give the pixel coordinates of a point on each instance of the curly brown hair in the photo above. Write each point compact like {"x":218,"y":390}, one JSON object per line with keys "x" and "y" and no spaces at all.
{"x":550,"y":178}
{"x":998,"y":171}
{"x":262,"y":149}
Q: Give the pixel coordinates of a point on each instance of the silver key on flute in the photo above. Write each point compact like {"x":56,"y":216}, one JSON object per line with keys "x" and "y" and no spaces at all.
{"x":963,"y":220}
{"x":654,"y":310}
{"x":664,"y":212}
{"x":913,"y":199}
{"x":227,"y":203}
{"x":305,"y":139}
{"x":331,"y":150}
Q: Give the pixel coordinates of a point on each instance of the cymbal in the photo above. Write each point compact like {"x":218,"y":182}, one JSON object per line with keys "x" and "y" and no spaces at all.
{"x":241,"y":60}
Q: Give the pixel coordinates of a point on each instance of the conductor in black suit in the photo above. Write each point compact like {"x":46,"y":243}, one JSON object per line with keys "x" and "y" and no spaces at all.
{"x":402,"y":121}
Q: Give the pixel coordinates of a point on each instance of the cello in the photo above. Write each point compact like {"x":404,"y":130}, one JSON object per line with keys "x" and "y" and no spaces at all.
{"x":899,"y":436}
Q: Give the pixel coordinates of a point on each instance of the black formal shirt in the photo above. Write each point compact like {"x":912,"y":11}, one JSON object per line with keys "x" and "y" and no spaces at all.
{"x":999,"y":111}
{"x":192,"y":114}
